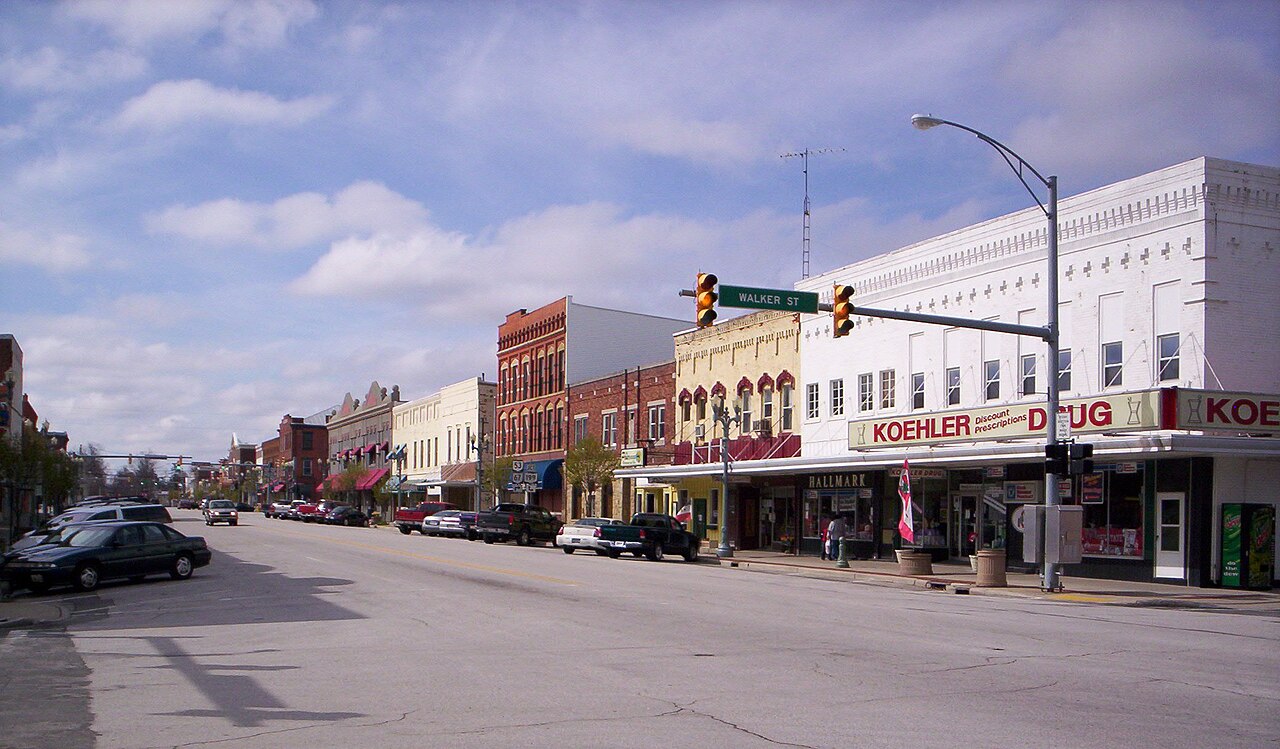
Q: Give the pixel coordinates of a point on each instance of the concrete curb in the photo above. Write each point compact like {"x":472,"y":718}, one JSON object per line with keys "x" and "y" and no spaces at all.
{"x":17,"y":614}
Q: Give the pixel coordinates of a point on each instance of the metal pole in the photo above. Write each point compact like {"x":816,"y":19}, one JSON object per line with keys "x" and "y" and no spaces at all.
{"x":1051,"y":498}
{"x":725,"y":551}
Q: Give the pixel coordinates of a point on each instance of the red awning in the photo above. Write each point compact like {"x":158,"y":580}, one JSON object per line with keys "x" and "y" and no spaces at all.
{"x":371,"y":478}
{"x":386,"y":446}
{"x":371,"y":447}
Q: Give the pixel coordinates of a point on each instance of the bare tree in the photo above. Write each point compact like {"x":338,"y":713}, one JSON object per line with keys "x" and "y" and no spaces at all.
{"x":588,"y":466}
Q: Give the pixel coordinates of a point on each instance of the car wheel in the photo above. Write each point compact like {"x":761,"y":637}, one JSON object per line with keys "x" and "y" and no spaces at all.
{"x":406,"y":530}
{"x":613,"y":554}
{"x":637,"y":554}
{"x":235,"y":522}
{"x":691,"y":553}
{"x":656,"y":552}
{"x":182,"y":567}
{"x":524,"y":539}
{"x":471,"y":535}
{"x":601,"y":552}
{"x":87,"y":577}
{"x":567,"y":549}
{"x":488,"y":539}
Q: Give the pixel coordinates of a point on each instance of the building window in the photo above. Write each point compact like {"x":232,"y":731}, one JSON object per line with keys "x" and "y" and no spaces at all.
{"x":559,"y":426}
{"x":702,"y":410}
{"x":837,"y":397}
{"x":917,"y":390}
{"x":866,"y":392}
{"x":745,"y":424}
{"x":1028,"y":374}
{"x":811,"y":400}
{"x":953,"y":386}
{"x":766,"y":408}
{"x":308,"y":439}
{"x":1167,"y":357}
{"x":609,"y":429}
{"x":784,"y":395}
{"x":306,"y":466}
{"x":685,"y":409}
{"x":887,"y":395}
{"x":657,"y":423}
{"x":1064,"y":370}
{"x":991,"y":377}
{"x":1112,"y":364}
{"x":579,"y":429}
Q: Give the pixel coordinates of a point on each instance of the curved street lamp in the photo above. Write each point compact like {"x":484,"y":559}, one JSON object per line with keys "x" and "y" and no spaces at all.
{"x":1021,"y":168}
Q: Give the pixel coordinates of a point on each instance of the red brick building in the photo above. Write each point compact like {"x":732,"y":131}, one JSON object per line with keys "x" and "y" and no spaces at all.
{"x":538,"y":353}
{"x":632,"y":413}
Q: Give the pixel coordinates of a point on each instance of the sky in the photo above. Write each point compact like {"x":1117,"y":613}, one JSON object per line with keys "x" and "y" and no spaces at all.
{"x":214,"y":213}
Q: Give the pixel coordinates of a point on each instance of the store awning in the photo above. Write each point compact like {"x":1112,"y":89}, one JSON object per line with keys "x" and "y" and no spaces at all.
{"x":536,"y":475}
{"x":386,"y":446}
{"x":277,"y":487}
{"x":371,"y":478}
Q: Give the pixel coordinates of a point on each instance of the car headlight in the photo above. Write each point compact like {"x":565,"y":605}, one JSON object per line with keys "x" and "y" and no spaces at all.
{"x":234,"y":513}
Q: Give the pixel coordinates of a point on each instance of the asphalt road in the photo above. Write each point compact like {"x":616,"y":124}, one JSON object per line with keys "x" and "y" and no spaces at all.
{"x":302,"y":635}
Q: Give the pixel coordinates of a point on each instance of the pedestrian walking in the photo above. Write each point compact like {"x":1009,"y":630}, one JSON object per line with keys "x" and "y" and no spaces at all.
{"x":835,"y":532}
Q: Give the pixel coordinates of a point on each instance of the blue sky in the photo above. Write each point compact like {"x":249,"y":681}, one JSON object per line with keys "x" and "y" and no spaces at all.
{"x":213,"y":213}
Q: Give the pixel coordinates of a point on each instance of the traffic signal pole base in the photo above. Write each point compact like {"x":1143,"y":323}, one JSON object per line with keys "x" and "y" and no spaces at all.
{"x":724,"y":551}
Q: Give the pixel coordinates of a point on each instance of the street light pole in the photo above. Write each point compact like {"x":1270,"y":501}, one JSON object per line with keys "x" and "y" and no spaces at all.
{"x":1050,"y":335}
{"x":721,"y":414}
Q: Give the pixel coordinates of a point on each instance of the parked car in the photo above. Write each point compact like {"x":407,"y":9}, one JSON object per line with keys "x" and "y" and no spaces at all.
{"x":409,"y":519}
{"x":317,"y":512}
{"x":277,"y":509}
{"x":104,"y":551}
{"x":527,"y":524}
{"x":291,"y":512}
{"x":186,"y":504}
{"x":584,"y":533}
{"x":431,"y":523}
{"x":344,"y":515}
{"x":221,"y":511}
{"x":458,"y":524}
{"x":155,"y":513}
{"x":44,"y":536}
{"x":244,"y":507}
{"x":651,"y":535}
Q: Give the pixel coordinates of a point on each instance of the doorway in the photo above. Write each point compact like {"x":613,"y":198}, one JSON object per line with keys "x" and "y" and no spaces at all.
{"x":964,"y":525}
{"x":1171,"y":555}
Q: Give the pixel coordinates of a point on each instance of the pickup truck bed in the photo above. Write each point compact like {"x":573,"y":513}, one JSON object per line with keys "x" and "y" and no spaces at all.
{"x":527,"y":524}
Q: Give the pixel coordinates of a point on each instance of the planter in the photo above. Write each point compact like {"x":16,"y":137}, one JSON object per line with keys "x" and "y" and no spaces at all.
{"x":973,"y":562}
{"x":912,"y":563}
{"x":990,"y":567}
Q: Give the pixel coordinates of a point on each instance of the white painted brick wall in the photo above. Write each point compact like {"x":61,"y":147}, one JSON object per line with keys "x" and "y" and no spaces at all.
{"x":1212,"y":226}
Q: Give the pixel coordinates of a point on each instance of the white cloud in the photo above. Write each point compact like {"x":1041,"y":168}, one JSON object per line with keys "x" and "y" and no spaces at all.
{"x":294,"y":221}
{"x":244,"y":23}
{"x":53,"y":252}
{"x":51,"y":69}
{"x":170,"y":104}
{"x":1131,"y":88}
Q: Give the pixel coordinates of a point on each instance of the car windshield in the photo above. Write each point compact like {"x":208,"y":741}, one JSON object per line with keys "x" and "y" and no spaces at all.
{"x":222,"y":504}
{"x":593,"y":522}
{"x":84,"y":537}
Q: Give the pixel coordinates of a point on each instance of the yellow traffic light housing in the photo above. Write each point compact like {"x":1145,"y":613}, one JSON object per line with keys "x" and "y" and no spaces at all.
{"x":841,"y":310}
{"x":705,"y":291}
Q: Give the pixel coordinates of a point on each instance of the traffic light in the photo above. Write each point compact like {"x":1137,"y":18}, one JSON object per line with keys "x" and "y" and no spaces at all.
{"x":1056,"y":458}
{"x":706,"y":296}
{"x":841,"y":309}
{"x":1081,"y":459}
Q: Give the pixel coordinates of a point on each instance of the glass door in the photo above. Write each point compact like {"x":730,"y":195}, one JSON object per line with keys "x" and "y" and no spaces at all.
{"x":1171,"y":557}
{"x":964,"y":525}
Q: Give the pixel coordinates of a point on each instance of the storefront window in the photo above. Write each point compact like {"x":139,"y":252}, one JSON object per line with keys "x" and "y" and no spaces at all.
{"x":1113,"y":513}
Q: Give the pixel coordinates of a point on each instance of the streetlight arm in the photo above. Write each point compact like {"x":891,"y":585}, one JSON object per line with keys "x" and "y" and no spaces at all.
{"x":924,"y":122}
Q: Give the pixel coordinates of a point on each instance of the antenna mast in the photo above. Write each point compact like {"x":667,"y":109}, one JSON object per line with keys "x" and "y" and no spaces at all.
{"x":804,"y":156}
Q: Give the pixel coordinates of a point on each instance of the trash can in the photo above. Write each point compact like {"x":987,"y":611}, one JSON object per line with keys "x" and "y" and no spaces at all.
{"x":991,"y":572}
{"x":912,"y":562}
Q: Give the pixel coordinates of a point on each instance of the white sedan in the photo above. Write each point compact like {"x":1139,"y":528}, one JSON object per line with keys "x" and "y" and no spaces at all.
{"x":583,"y":533}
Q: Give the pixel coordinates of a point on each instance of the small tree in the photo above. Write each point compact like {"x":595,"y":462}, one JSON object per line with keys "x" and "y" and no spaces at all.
{"x":494,"y":478}
{"x":588,"y":466}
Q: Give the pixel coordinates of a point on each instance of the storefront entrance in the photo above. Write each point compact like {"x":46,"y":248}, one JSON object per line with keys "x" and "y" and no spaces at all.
{"x":1171,"y":558}
{"x":964,"y":525}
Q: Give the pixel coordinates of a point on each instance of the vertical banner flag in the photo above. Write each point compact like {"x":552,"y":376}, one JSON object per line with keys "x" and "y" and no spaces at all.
{"x":905,"y":526}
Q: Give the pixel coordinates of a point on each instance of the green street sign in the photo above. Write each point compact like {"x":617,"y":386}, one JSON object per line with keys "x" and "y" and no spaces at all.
{"x":780,"y":299}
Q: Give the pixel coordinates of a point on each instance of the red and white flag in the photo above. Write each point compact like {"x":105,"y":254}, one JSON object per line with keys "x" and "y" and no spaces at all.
{"x":905,"y":526}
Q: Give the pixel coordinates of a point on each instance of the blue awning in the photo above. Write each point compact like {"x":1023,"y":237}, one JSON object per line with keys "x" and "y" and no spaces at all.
{"x":536,"y":475}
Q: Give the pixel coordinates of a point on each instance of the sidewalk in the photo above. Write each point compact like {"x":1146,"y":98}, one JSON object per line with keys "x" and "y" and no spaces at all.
{"x":961,"y":579}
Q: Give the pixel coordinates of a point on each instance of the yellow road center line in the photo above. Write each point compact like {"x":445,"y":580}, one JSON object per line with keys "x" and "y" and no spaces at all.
{"x":440,"y":560}
{"x":1081,"y":597}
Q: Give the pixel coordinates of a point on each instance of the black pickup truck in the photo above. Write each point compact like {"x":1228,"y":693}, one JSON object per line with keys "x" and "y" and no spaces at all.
{"x":527,"y":524}
{"x":651,"y":535}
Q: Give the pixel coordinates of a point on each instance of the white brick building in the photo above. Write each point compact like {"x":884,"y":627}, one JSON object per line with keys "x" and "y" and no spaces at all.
{"x":434,"y":440}
{"x":1167,"y":280}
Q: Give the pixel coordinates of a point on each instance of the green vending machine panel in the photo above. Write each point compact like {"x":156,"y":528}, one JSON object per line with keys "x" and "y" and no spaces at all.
{"x":1248,"y":545}
{"x":1232,"y":548}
